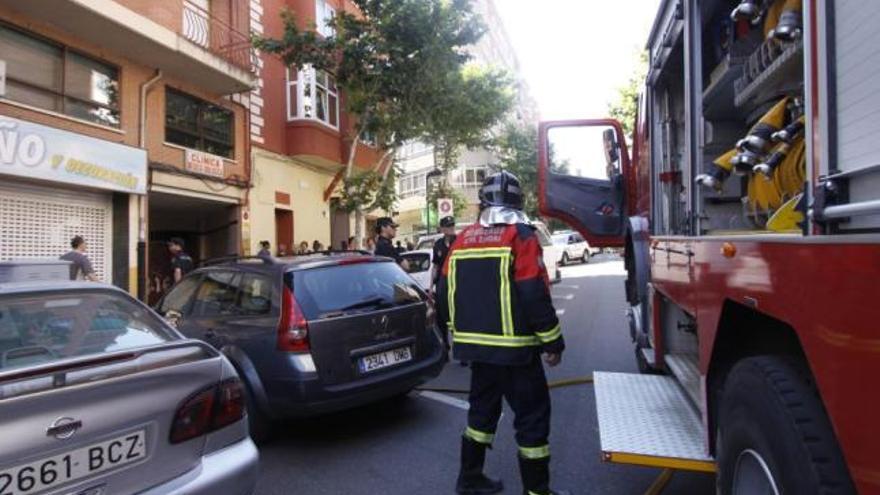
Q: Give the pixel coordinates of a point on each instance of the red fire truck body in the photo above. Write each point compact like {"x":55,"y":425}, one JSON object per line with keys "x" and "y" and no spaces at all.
{"x":759,"y":343}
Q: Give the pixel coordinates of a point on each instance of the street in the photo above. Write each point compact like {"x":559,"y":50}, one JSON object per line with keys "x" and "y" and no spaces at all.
{"x":411,"y":445}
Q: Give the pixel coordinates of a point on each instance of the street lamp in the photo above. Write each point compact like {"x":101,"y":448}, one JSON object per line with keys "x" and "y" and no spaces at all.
{"x":433,"y":173}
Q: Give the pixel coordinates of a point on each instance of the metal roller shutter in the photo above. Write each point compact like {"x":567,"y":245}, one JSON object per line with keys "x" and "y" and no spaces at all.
{"x":39,"y":222}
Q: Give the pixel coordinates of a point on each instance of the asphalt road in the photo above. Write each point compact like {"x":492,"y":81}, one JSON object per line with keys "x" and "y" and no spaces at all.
{"x":411,"y":445}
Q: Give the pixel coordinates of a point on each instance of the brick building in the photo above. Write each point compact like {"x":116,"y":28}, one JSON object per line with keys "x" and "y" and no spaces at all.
{"x":300,"y":139}
{"x":129,"y":122}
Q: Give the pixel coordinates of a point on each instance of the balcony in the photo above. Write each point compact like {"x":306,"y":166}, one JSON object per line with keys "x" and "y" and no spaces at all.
{"x":202,"y":42}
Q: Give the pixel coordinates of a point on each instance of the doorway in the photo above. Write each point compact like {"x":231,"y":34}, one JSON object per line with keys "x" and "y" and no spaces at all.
{"x":284,"y":232}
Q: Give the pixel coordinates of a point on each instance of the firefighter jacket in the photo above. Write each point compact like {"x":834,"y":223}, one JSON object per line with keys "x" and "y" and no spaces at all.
{"x":495,"y":293}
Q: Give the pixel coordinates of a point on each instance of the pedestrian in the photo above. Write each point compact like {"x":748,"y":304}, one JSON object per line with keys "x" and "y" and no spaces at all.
{"x":399,"y":248}
{"x":303,"y":248}
{"x":317,"y":247}
{"x":353,"y":244}
{"x":80,"y":266}
{"x":409,"y":245}
{"x":181,"y":263}
{"x":386,"y":230}
{"x":491,"y":264}
{"x":265,"y":251}
{"x":440,"y":250}
{"x":282,"y":250}
{"x":370,"y":245}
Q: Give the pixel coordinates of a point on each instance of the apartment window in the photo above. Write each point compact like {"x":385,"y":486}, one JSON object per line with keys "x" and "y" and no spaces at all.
{"x":324,"y":13}
{"x":197,"y":124}
{"x":412,"y":184}
{"x":47,"y":75}
{"x":312,"y":94}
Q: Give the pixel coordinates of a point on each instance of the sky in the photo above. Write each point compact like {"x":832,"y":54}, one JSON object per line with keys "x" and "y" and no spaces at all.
{"x":575,"y":53}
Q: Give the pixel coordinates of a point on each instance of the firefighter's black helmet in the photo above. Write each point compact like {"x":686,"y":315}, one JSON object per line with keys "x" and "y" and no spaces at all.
{"x":501,"y":189}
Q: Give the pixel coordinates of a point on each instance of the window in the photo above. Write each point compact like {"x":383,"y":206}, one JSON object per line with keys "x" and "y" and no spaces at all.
{"x":49,"y":76}
{"x":197,"y":124}
{"x":45,"y":328}
{"x":216,"y":295}
{"x":412,"y":184}
{"x":255,"y":296}
{"x":324,"y":13}
{"x":179,"y":297}
{"x":312,"y":94}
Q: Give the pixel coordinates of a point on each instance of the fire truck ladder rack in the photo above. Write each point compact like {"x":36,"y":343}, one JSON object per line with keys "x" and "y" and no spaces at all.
{"x":648,"y":420}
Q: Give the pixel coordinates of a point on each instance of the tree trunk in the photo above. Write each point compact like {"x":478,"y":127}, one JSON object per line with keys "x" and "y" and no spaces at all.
{"x":358,"y":219}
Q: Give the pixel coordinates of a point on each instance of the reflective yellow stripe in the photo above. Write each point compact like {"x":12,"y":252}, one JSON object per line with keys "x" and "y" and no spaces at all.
{"x":550,"y":335}
{"x":450,"y":297}
{"x":495,"y":340}
{"x":489,"y":252}
{"x":479,"y":436}
{"x":506,"y":306}
{"x":535,"y":452}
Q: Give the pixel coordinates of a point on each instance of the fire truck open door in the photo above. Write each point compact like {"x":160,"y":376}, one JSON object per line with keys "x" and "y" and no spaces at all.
{"x":580,"y":177}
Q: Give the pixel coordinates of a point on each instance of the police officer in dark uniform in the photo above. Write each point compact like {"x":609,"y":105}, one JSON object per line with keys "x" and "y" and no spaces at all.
{"x":440,"y":250}
{"x":502,"y":321}
{"x":386,"y":231}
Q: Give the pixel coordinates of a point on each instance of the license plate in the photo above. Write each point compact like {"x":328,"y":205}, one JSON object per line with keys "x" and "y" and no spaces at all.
{"x":384,"y":359}
{"x":76,"y":464}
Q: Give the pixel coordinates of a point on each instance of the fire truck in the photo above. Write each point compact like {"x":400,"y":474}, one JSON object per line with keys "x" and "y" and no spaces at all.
{"x":749,"y":215}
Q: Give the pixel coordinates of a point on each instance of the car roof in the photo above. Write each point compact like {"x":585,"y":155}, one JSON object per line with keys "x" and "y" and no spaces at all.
{"x":54,"y":286}
{"x":288,"y":263}
{"x":418,"y":251}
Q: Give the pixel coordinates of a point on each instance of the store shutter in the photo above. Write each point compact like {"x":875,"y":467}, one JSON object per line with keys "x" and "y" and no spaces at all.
{"x":39,"y":222}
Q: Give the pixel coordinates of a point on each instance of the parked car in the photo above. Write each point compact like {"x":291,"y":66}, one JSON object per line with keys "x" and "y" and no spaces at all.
{"x":421,"y":266}
{"x":573,"y":246}
{"x":99,"y":395}
{"x":312,"y":334}
{"x":552,"y":253}
{"x":427,"y":242}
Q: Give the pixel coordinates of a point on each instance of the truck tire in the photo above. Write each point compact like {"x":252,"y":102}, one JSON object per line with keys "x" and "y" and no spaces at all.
{"x":774,"y":436}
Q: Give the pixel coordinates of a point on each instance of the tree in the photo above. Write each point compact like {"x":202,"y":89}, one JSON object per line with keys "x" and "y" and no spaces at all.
{"x":400,"y":65}
{"x":625,"y":107}
{"x":517,"y":150}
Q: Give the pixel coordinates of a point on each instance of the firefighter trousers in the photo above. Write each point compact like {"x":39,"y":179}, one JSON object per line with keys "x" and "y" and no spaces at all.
{"x":525,"y":389}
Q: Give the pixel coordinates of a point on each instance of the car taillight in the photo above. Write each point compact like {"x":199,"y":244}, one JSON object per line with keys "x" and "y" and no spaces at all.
{"x":208,"y":410}
{"x":293,"y":329}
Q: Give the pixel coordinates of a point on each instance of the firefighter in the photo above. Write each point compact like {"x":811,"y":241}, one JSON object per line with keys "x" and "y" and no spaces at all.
{"x":502,"y":320}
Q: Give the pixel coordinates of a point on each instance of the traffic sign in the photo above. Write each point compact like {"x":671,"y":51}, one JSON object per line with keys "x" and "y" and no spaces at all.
{"x":445,"y":207}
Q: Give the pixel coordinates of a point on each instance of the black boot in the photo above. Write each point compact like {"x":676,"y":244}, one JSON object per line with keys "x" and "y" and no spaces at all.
{"x":535,"y":475}
{"x":471,"y":480}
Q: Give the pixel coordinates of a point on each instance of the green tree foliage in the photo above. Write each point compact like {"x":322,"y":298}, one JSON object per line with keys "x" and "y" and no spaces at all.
{"x":625,"y":107}
{"x":402,"y":68}
{"x":517,"y":150}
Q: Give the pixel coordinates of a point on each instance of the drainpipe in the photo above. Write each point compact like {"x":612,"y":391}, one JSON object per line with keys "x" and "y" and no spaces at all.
{"x":142,"y":201}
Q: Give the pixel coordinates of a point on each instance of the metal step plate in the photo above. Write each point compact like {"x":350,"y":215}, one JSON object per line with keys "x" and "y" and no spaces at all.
{"x":647,"y":420}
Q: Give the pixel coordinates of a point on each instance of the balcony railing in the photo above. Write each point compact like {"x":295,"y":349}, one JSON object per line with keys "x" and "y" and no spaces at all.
{"x":210,"y":32}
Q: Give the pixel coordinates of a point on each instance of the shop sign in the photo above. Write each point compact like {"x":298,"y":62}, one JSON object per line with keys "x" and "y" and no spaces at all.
{"x":40,"y":152}
{"x":205,"y":163}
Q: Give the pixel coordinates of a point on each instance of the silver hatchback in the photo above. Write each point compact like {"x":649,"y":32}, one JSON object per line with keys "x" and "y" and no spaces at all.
{"x":98,"y":395}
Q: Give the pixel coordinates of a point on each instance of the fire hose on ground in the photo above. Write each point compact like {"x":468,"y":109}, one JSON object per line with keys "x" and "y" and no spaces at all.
{"x":656,"y":487}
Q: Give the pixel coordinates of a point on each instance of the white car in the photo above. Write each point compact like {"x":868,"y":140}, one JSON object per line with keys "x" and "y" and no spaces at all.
{"x":420,"y":266}
{"x":552,"y":253}
{"x":573,"y":246}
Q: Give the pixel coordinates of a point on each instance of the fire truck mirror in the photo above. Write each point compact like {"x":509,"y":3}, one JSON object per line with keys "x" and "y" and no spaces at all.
{"x":589,"y":152}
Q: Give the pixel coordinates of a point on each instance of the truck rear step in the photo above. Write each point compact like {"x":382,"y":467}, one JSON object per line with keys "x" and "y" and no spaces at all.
{"x":648,"y":420}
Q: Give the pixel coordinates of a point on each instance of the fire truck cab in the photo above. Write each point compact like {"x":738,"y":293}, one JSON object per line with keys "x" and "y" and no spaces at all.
{"x":749,"y":213}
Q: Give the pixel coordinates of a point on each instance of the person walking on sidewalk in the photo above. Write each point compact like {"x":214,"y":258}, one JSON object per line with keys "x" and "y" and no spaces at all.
{"x":491,"y":265}
{"x":181,"y":263}
{"x":80,"y":264}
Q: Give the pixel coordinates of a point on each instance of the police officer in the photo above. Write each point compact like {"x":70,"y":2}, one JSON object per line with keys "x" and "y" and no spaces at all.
{"x":386,"y":231}
{"x":440,"y":250}
{"x":502,"y":321}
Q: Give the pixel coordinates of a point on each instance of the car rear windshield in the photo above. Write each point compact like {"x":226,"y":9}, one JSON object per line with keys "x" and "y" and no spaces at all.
{"x":43,"y":328}
{"x":338,"y":289}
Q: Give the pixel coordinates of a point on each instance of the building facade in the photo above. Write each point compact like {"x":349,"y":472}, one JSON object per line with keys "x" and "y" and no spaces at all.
{"x":417,"y":159}
{"x":301,"y":139}
{"x":125,"y":122}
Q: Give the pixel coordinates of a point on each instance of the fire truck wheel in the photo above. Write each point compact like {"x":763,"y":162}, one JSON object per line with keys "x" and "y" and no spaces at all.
{"x":774,"y":435}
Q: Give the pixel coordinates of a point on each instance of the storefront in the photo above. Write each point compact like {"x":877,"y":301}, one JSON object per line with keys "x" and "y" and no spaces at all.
{"x":56,"y":184}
